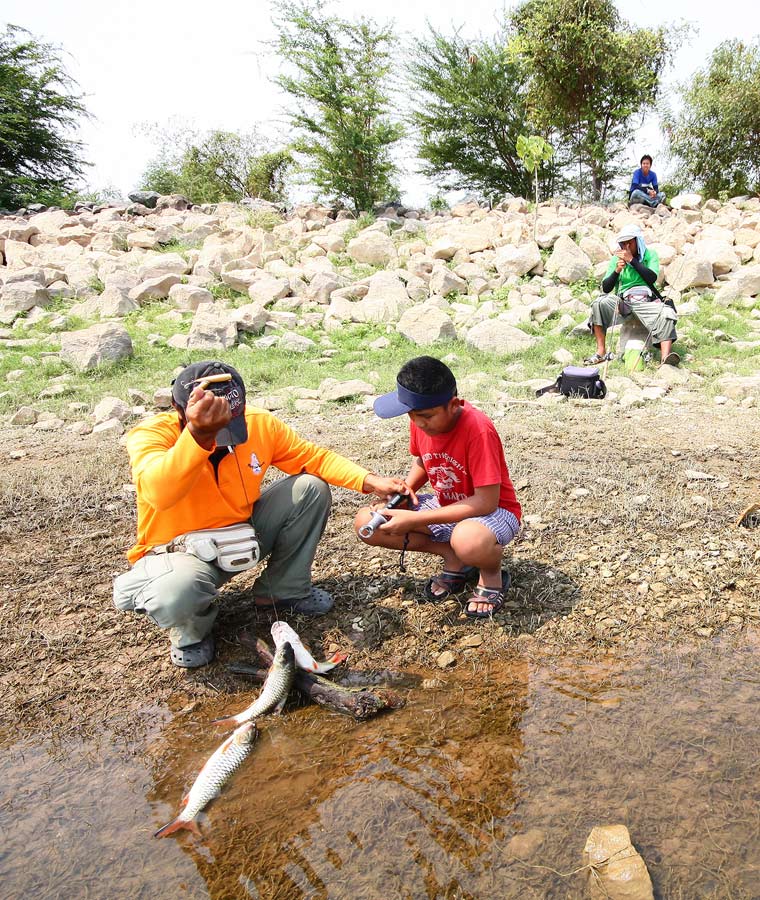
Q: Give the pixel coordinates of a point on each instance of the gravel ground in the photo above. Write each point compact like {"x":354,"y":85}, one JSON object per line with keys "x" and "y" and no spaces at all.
{"x":629,"y":541}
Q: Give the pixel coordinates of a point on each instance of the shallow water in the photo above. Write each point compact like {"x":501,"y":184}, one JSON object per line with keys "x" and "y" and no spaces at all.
{"x":426,"y":802}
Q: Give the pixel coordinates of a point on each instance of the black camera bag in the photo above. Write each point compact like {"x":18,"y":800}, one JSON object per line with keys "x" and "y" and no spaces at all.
{"x":578,"y":381}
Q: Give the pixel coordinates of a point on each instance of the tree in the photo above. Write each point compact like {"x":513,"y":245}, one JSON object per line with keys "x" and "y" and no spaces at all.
{"x":716,"y":134}
{"x":39,"y":108}
{"x":340,"y":85}
{"x":217,"y":166}
{"x":533,"y":151}
{"x":589,"y":73}
{"x":469,"y":109}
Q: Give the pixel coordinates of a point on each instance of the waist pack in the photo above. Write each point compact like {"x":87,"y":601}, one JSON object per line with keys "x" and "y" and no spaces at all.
{"x":578,"y":381}
{"x":234,"y":548}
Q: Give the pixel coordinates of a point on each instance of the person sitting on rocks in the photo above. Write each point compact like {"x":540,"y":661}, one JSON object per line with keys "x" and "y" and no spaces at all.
{"x":644,"y":188}
{"x":474,"y":512}
{"x":629,"y":289}
{"x":200,"y":469}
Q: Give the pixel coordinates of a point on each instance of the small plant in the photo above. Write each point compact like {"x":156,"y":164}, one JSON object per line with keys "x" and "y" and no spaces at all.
{"x":95,"y":284}
{"x":438,"y":204}
{"x":266,"y":219}
{"x":533,"y":151}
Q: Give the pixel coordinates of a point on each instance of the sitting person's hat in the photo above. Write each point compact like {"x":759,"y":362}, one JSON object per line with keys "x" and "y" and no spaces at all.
{"x":402,"y":401}
{"x":233,"y":390}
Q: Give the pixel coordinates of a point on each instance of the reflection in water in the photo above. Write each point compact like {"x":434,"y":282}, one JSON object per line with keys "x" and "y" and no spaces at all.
{"x":425,"y":803}
{"x":394,"y":807}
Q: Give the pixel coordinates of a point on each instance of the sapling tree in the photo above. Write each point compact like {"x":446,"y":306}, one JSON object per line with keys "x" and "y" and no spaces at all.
{"x":533,"y":151}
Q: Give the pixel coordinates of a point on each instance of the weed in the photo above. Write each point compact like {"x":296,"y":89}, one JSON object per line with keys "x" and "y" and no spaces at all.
{"x":95,"y":284}
{"x":265,"y":219}
{"x":364,"y":221}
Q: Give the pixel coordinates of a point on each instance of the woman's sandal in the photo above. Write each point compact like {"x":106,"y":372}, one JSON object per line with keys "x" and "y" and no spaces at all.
{"x":494,"y":597}
{"x":451,"y":582}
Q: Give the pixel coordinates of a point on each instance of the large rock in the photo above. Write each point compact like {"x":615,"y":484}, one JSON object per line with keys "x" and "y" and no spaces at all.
{"x":95,"y":346}
{"x":144,"y":198}
{"x":211,"y":329}
{"x":386,"y":299}
{"x":425,"y":324}
{"x":372,"y":247}
{"x":321,"y":287}
{"x":331,"y":389}
{"x":743,"y":283}
{"x":721,"y":255}
{"x":154,"y":288}
{"x":163,"y":264}
{"x":510,"y":260}
{"x":497,"y":336}
{"x":690,"y":271}
{"x":686,"y":201}
{"x":266,"y":288}
{"x":737,"y":387}
{"x":252,"y":317}
{"x":568,"y":262}
{"x":443,"y":281}
{"x":188,"y":297}
{"x":21,"y":296}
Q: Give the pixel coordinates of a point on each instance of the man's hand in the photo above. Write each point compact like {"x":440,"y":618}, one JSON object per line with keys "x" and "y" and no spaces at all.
{"x":385,"y":488}
{"x":206,"y":414}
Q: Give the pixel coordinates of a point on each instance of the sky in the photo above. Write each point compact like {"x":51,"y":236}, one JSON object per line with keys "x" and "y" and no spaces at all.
{"x":208,"y":65}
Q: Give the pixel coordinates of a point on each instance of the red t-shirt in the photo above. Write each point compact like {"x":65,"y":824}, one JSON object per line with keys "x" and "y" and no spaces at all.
{"x":470,"y":455}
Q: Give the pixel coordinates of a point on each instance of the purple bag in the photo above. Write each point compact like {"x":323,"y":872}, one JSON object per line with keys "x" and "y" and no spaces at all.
{"x":578,"y":381}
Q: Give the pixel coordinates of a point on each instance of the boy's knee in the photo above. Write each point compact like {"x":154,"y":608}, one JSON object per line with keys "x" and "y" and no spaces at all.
{"x":360,"y":519}
{"x":471,"y":538}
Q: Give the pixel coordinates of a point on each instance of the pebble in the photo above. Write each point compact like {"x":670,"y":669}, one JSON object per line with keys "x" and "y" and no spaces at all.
{"x":446,"y":659}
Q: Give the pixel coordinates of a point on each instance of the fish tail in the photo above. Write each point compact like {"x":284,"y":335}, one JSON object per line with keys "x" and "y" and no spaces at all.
{"x":176,"y":825}
{"x":338,"y":658}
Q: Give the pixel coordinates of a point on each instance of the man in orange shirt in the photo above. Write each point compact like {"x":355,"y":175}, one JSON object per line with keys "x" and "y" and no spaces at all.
{"x":200,"y":468}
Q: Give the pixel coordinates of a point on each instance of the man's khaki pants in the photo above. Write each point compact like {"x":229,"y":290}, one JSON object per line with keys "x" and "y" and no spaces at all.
{"x":177,"y":590}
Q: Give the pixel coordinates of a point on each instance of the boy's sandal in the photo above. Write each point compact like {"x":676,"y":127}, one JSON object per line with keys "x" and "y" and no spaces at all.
{"x":451,"y":582}
{"x":492,"y":596}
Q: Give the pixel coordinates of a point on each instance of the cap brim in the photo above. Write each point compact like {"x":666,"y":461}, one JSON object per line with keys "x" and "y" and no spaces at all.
{"x":233,"y":434}
{"x":389,"y":406}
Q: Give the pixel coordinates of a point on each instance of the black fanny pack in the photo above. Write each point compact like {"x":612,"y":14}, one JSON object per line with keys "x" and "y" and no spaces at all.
{"x":578,"y":381}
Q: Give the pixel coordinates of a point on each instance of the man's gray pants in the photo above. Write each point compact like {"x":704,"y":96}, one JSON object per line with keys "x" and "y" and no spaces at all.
{"x":658,"y":318}
{"x":177,"y":590}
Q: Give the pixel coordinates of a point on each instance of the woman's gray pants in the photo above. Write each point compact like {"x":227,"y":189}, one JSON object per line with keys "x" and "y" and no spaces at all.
{"x":177,"y":590}
{"x":658,"y":318}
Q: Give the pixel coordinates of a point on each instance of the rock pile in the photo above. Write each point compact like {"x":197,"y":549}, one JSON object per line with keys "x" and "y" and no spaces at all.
{"x":475,"y":274}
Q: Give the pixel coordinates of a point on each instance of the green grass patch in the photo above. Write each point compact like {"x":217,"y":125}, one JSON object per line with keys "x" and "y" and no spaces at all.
{"x":265,"y":219}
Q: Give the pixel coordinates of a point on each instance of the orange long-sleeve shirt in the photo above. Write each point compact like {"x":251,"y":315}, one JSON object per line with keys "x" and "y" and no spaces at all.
{"x":178,"y":491}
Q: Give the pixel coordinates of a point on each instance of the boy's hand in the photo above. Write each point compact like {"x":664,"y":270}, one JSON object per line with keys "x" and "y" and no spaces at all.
{"x":400,"y":521}
{"x":385,"y":488}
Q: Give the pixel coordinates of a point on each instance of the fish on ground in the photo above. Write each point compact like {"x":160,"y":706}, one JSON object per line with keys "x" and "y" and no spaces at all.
{"x":276,"y":687}
{"x":218,"y":769}
{"x":282,"y":632}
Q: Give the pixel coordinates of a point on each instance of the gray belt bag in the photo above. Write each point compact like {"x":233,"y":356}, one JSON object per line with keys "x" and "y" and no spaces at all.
{"x":234,"y":548}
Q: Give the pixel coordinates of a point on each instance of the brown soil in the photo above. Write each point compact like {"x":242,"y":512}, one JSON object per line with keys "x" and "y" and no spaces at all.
{"x":589,"y":572}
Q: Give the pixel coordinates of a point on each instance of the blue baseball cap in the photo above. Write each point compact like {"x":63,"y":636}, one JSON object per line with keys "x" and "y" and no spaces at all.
{"x":402,"y":401}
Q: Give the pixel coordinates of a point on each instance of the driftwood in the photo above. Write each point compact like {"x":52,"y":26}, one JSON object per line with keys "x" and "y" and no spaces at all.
{"x":359,"y":702}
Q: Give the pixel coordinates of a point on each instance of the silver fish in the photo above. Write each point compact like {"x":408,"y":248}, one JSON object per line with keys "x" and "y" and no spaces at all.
{"x":218,"y":769}
{"x":282,"y":632}
{"x":276,"y":688}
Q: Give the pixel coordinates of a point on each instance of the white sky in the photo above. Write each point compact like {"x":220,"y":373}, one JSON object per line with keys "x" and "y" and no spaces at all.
{"x":204,"y":63}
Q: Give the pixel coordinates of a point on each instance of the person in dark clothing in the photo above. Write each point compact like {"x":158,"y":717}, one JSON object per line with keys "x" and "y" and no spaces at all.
{"x":629,"y":289}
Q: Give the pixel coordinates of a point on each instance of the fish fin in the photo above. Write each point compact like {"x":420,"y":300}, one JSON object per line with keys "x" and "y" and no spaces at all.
{"x":280,"y":706}
{"x":176,"y":825}
{"x":227,"y":719}
{"x":338,"y":658}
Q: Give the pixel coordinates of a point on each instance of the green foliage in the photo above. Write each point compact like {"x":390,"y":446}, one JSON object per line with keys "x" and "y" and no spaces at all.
{"x":266,"y":219}
{"x":339,"y":82}
{"x":218,"y":166}
{"x":363,"y":221}
{"x":438,"y":204}
{"x":38,"y":107}
{"x":588,"y":73}
{"x":469,"y":109}
{"x":716,"y":134}
{"x":533,"y":151}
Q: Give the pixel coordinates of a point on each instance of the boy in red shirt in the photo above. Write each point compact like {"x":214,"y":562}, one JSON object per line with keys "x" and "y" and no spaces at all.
{"x":474,"y":512}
